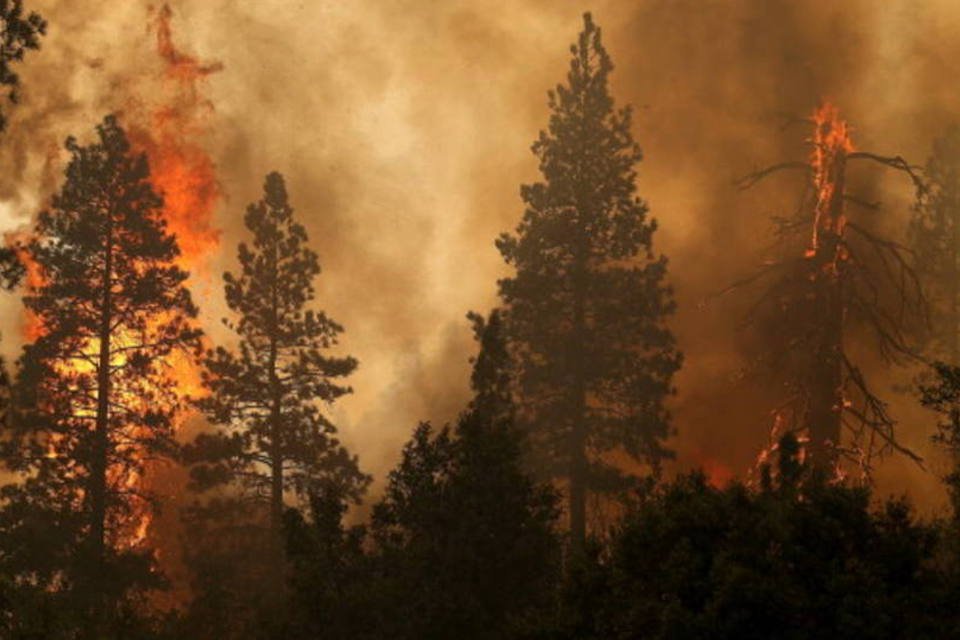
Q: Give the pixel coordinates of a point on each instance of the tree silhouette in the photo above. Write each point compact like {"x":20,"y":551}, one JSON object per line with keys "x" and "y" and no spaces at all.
{"x":934,"y":235}
{"x":942,"y":395}
{"x":464,"y":533}
{"x":586,"y":307}
{"x":265,"y":395}
{"x":93,"y":402}
{"x":838,"y":276}
{"x":787,"y":562}
{"x":18,"y":34}
{"x":333,"y":584}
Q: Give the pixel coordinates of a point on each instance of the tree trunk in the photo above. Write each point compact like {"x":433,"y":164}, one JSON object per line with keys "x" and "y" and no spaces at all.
{"x":826,"y":395}
{"x":276,"y":434}
{"x":578,"y":475}
{"x":276,"y":452}
{"x":953,"y":286}
{"x":578,"y":428}
{"x":101,"y":439}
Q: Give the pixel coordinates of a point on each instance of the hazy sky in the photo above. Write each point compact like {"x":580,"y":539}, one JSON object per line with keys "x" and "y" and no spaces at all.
{"x":404,"y":129}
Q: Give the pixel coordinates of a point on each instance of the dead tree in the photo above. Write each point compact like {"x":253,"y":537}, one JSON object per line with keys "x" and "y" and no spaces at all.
{"x":845,"y":278}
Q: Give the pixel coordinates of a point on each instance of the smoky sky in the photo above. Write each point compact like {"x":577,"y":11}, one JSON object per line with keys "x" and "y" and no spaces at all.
{"x":404,"y":130}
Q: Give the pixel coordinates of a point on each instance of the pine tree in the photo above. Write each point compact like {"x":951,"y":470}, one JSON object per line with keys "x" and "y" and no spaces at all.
{"x":935,"y":239}
{"x":586,"y":308}
{"x":92,"y":399}
{"x":464,"y":533}
{"x":18,"y":34}
{"x":265,"y":395}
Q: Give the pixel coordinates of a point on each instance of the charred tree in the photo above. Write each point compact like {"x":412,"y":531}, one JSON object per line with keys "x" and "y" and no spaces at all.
{"x":586,"y":308}
{"x":92,"y":403}
{"x":19,"y":33}
{"x":846,"y":277}
{"x":266,"y":395}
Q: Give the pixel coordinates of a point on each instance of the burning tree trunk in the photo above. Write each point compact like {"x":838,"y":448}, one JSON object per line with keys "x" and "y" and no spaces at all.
{"x":846,"y":271}
{"x":829,"y":271}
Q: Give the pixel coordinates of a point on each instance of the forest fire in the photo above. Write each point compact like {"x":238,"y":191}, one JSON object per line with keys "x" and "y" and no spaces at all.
{"x":586,"y":466}
{"x":184,"y":174}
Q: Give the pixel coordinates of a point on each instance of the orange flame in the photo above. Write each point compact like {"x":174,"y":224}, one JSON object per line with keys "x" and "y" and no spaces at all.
{"x":831,"y":143}
{"x":181,"y":169}
{"x":32,"y":326}
{"x":185,"y":175}
{"x":168,"y":132}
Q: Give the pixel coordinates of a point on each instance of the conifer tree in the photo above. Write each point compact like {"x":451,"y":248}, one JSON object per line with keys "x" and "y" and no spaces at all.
{"x":18,"y":34}
{"x":935,"y":239}
{"x":464,"y":532}
{"x":266,"y":394}
{"x":587,"y":305}
{"x":92,"y":402}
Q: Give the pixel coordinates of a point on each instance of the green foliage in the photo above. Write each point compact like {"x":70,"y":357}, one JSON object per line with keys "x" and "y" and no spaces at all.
{"x":586,"y":306}
{"x":18,"y":34}
{"x":265,"y":395}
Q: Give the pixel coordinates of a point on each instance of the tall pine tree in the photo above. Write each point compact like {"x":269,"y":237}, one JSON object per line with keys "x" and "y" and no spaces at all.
{"x":92,"y":402}
{"x":587,"y":306}
{"x":266,"y":395}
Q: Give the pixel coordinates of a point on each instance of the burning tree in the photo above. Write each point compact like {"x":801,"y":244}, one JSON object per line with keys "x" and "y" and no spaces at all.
{"x":934,"y":235}
{"x":18,"y":34}
{"x":846,"y":276}
{"x":93,"y":402}
{"x":265,"y":394}
{"x":586,"y":309}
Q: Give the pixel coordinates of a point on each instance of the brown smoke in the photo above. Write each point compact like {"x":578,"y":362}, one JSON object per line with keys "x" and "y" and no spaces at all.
{"x":404,"y":130}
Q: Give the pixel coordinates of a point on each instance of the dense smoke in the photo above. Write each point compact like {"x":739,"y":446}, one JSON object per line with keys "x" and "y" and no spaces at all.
{"x":404,"y":127}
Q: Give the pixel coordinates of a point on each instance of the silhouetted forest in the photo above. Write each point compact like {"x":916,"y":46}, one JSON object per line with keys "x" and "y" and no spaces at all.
{"x":161,"y":480}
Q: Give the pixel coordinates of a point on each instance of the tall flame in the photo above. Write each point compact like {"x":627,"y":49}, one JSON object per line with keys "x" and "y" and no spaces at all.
{"x":184,"y":174}
{"x":181,"y":169}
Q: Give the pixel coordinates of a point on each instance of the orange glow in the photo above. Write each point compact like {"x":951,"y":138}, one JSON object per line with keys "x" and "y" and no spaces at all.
{"x":831,"y":143}
{"x":181,"y":169}
{"x":185,"y":175}
{"x":32,"y":327}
